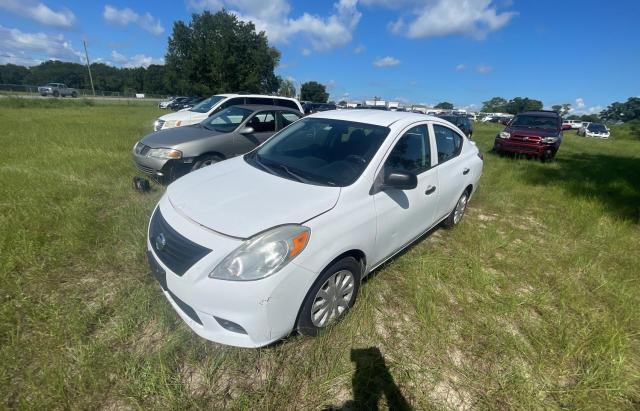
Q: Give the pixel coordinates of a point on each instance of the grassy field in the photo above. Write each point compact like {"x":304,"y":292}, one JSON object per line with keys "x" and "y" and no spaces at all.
{"x":533,"y":302}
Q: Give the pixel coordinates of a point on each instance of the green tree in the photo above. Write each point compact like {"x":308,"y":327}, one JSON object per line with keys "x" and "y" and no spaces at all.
{"x":519,"y":104}
{"x":562,"y":109}
{"x":445,"y":105}
{"x":342,"y":102}
{"x":12,"y":74}
{"x":627,"y":111}
{"x":218,"y":53}
{"x":153,"y":81}
{"x":495,"y":105}
{"x":314,"y":91}
{"x":286,"y":88}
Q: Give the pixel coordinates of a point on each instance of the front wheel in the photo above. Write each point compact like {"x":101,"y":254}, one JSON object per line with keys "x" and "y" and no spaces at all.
{"x":331,"y":296}
{"x":458,"y":212}
{"x":74,"y":94}
{"x":205,"y":161}
{"x":56,"y":93}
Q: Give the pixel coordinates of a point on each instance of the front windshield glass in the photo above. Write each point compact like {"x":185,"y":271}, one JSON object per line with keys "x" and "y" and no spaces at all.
{"x":206,"y":104}
{"x":597,"y":128}
{"x":541,"y":122}
{"x":320,"y":151}
{"x":226,"y":120}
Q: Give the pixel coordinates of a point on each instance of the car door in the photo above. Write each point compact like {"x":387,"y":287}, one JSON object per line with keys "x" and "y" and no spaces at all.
{"x":453,"y":172}
{"x":403,"y":215}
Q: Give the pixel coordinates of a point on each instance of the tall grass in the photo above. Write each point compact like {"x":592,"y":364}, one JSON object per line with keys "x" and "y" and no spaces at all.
{"x":531,"y":303}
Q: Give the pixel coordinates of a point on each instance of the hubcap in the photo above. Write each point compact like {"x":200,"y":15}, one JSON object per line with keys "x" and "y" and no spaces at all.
{"x":460,"y":207}
{"x":332,"y":299}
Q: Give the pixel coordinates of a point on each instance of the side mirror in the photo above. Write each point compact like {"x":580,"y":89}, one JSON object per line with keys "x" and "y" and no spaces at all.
{"x":246,"y":130}
{"x":401,"y":180}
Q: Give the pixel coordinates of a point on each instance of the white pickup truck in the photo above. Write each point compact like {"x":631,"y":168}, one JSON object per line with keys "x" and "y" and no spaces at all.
{"x":57,"y":90}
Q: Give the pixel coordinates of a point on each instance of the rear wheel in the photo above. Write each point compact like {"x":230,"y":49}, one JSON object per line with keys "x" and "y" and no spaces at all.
{"x":74,"y":94}
{"x":458,"y":212}
{"x":331,"y":296}
{"x":56,"y":93}
{"x":205,"y":160}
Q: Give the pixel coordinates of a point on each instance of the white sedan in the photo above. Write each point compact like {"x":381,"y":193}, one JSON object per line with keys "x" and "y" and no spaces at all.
{"x":250,"y":249}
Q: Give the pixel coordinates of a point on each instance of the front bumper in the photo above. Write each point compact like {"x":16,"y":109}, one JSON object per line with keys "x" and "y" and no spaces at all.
{"x":520,"y":147}
{"x":150,"y":165}
{"x":266,"y":309}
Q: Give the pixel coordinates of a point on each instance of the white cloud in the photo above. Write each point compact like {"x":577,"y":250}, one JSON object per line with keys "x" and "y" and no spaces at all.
{"x":126,"y":16}
{"x":139,"y":60}
{"x":581,"y":108}
{"x":461,"y":67}
{"x":331,"y":84}
{"x":580,"y":103}
{"x":484,"y":69}
{"x":305,"y":52}
{"x":359,"y":49}
{"x":386,"y":62}
{"x":40,"y":12}
{"x":23,"y":47}
{"x":273,"y":17}
{"x":432,"y":18}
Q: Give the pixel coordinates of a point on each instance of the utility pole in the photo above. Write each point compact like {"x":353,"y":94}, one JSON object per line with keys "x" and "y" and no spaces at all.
{"x":89,"y":67}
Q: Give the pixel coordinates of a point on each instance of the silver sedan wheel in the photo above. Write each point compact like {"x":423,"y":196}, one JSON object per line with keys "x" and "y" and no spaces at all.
{"x":460,"y":207}
{"x":332,"y":299}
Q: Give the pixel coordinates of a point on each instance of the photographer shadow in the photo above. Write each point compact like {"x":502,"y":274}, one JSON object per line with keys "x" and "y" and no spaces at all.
{"x":371,"y":381}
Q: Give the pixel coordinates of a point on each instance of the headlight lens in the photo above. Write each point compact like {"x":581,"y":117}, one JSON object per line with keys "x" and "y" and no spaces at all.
{"x":263,"y":255}
{"x":165,"y":153}
{"x":549,"y":140}
{"x":504,"y":134}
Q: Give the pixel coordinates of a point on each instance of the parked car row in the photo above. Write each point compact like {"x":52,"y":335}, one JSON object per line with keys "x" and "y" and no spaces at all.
{"x":278,"y":236}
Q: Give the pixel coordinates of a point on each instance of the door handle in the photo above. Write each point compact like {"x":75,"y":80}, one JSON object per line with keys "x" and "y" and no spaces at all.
{"x":430,"y":190}
{"x":465,"y":171}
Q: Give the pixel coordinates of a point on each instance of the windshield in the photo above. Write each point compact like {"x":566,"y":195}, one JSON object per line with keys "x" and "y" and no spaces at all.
{"x":206,"y":104}
{"x":597,"y":128}
{"x":320,"y":151}
{"x":540,"y":122}
{"x":226,"y":120}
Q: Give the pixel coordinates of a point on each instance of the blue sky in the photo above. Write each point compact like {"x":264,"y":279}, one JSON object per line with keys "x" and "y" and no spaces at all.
{"x":585,"y":53}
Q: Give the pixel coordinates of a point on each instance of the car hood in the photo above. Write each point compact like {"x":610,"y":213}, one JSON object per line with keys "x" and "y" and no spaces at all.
{"x":178,"y":135}
{"x":530,"y":132}
{"x":184,"y":116}
{"x":239,"y":200}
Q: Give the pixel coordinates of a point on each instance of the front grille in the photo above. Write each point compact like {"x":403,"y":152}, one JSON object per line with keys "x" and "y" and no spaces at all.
{"x":526,"y":139}
{"x":175,"y":251}
{"x":145,"y":169}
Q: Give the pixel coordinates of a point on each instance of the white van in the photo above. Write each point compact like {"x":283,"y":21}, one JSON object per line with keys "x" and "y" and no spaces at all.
{"x":218,"y":102}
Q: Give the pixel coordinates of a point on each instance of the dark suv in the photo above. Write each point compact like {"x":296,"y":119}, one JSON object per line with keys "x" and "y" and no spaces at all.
{"x":462,"y":122}
{"x":535,"y":133}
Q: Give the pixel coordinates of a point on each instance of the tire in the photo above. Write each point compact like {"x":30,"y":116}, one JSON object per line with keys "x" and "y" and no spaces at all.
{"x":548,"y":156}
{"x":205,"y":160}
{"x":56,"y":93}
{"x":458,"y":211}
{"x":74,"y":94}
{"x":338,"y":300}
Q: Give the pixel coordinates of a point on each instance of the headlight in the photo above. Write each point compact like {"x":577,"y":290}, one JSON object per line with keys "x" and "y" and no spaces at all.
{"x":549,"y":140}
{"x":263,"y":255}
{"x":504,"y":134}
{"x":164,"y":153}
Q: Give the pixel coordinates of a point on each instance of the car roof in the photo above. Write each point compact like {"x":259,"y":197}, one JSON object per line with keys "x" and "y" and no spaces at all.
{"x":375,"y":117}
{"x":258,"y":107}
{"x":541,"y":113}
{"x":253,"y":95}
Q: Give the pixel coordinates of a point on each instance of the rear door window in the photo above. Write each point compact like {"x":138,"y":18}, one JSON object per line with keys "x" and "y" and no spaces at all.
{"x":287,"y":118}
{"x":448,"y":143}
{"x":286,"y":103}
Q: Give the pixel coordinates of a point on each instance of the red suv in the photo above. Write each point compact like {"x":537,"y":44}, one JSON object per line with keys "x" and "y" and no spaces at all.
{"x":535,"y":133}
